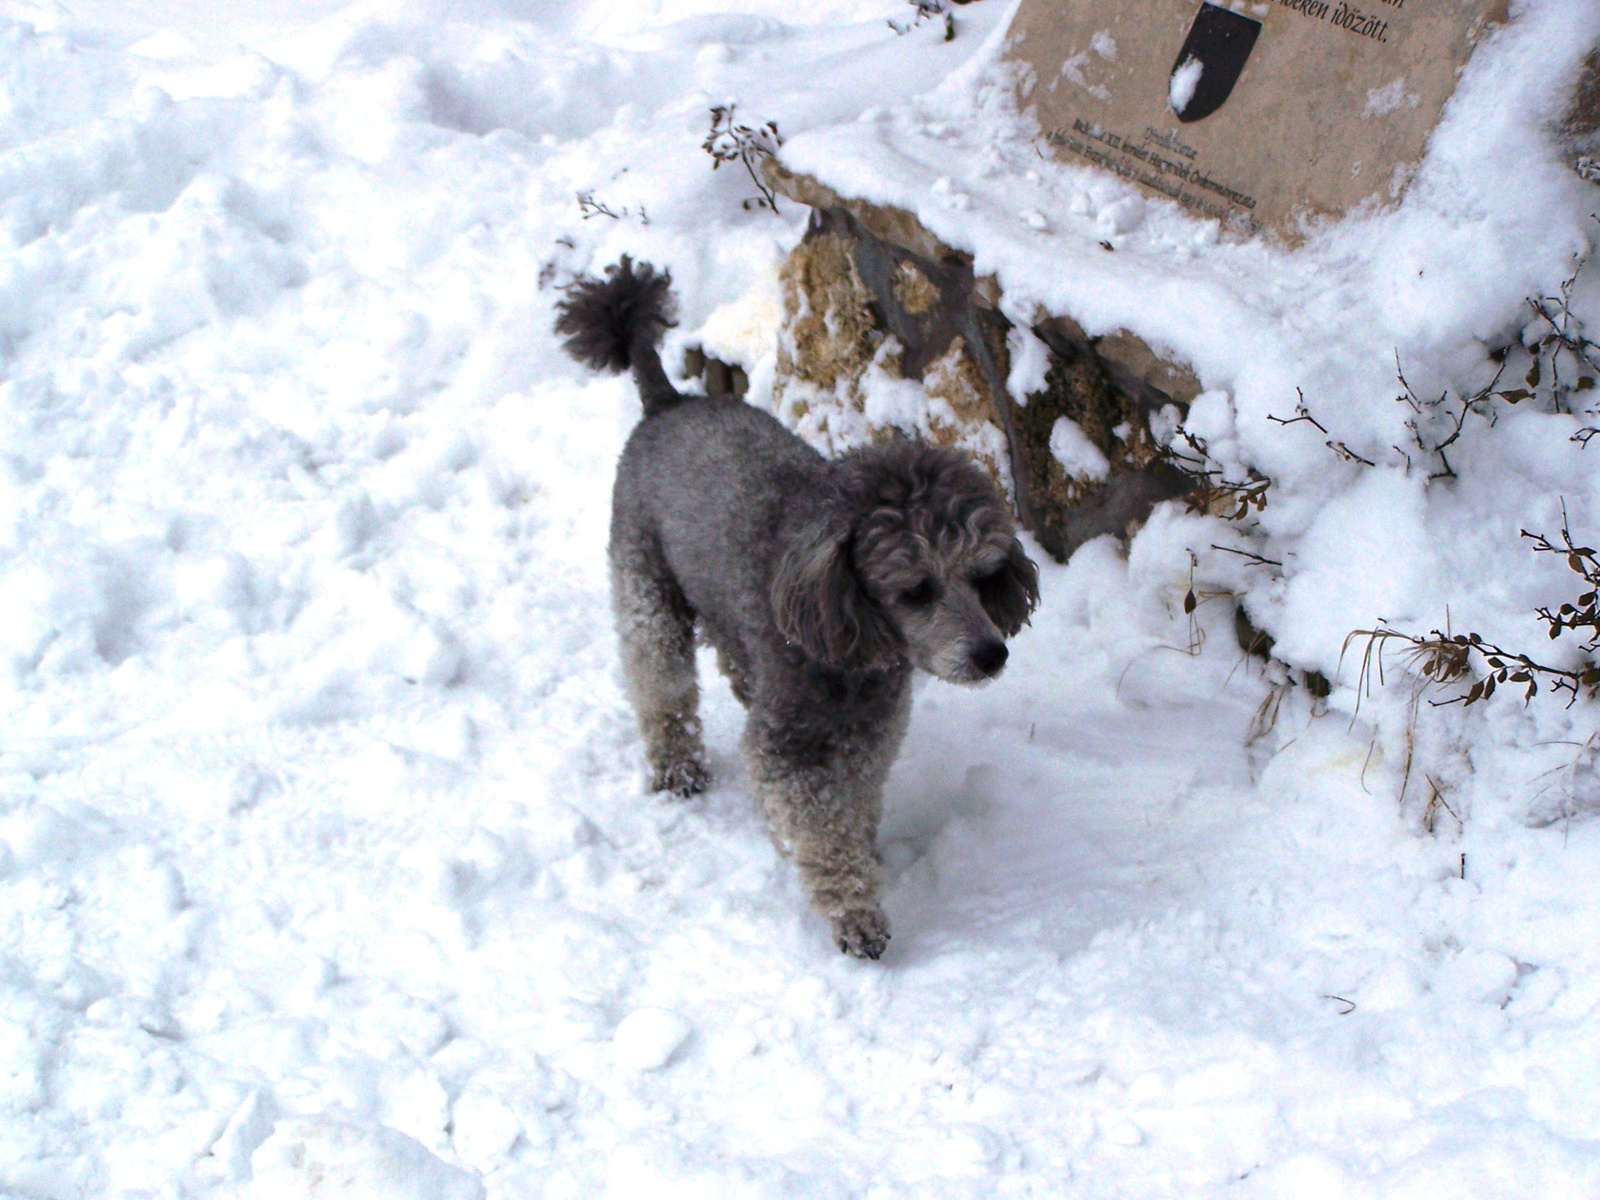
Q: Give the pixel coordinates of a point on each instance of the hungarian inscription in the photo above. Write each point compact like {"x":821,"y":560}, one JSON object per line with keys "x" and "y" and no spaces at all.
{"x":1182,"y":181}
{"x":1345,"y":16}
{"x":1256,"y":112}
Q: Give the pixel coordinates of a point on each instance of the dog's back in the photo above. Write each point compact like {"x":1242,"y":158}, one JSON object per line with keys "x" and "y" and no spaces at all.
{"x":718,"y":483}
{"x":704,"y":486}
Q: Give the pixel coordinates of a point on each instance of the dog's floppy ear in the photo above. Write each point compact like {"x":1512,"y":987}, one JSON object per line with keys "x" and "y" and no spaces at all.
{"x":820,"y":604}
{"x":1012,"y":592}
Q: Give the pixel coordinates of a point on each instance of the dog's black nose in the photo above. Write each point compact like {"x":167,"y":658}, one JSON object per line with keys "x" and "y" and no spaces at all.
{"x":990,"y":657}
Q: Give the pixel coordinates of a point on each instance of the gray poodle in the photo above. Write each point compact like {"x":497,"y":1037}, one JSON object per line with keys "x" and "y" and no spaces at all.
{"x":820,"y":585}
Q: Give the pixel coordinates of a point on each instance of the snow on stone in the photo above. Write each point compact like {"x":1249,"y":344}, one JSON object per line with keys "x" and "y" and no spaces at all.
{"x":1072,"y":70}
{"x":745,"y":329}
{"x":1121,"y":215}
{"x":1180,"y":90}
{"x":1030,"y":362}
{"x":1071,"y":447}
{"x":1384,"y":100}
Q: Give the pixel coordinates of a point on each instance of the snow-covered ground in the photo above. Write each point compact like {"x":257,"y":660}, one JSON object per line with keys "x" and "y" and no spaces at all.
{"x":325,"y":864}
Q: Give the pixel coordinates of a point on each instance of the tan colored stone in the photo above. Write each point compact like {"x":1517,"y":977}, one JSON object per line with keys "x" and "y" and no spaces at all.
{"x":1131,"y":359}
{"x":1079,"y":387}
{"x":1144,"y":364}
{"x":1580,"y":128}
{"x":837,"y":332}
{"x":986,"y":292}
{"x":893,"y":225}
{"x":1582,"y":121}
{"x":913,"y":289}
{"x":968,"y":415}
{"x":830,"y":336}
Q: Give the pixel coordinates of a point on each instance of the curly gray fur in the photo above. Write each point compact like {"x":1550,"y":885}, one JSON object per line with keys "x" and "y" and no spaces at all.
{"x":614,"y":323}
{"x":820,"y":584}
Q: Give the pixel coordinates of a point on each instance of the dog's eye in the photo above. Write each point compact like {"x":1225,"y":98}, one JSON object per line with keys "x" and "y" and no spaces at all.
{"x":985,"y":579}
{"x":924,"y":594}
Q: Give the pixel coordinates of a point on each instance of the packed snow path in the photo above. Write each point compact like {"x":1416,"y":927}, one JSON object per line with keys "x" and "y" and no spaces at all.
{"x":325,"y":867}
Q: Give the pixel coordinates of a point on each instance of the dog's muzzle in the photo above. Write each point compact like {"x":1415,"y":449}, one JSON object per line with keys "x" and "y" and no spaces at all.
{"x":989,"y":658}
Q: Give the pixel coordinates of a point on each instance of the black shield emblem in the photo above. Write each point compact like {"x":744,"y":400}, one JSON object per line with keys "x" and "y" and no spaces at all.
{"x":1208,"y":66}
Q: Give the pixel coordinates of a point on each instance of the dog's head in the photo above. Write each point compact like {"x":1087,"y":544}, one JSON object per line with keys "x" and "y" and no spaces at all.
{"x":916,"y":559}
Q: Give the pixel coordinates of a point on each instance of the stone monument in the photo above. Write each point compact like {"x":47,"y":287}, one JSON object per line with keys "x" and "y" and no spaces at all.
{"x":1255,"y":113}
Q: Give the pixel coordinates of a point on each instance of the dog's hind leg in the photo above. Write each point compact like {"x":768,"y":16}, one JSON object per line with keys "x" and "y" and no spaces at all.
{"x":656,"y":628}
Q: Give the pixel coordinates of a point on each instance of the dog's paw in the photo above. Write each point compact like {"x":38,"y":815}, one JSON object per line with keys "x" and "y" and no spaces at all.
{"x":862,"y":932}
{"x":683,"y":778}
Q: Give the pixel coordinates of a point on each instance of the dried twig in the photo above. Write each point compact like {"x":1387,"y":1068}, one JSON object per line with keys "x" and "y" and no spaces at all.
{"x":1581,"y":767}
{"x":1457,"y":419}
{"x":1584,"y":611}
{"x":927,"y":10}
{"x":1265,"y":718}
{"x":1256,"y":560}
{"x":590,"y":207}
{"x":1563,"y":345}
{"x":1437,"y":802}
{"x":1212,"y":493}
{"x":1302,"y":413}
{"x":1565,"y":337}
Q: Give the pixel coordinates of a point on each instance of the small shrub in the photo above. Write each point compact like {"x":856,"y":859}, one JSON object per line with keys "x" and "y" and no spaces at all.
{"x":1563,"y":363}
{"x":1583,"y":612}
{"x":1211,"y":493}
{"x":731,"y":141}
{"x":589,"y":208}
{"x":1564,"y":360}
{"x":1441,"y":659}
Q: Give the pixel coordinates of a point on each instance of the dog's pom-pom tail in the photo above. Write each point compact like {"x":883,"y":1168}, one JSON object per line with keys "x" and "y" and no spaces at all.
{"x":609,"y":323}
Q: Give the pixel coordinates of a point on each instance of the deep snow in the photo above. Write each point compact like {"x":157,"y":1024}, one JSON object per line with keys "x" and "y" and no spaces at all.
{"x":325,"y":867}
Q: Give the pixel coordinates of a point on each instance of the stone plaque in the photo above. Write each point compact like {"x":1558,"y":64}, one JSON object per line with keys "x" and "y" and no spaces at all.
{"x":1250,"y":112}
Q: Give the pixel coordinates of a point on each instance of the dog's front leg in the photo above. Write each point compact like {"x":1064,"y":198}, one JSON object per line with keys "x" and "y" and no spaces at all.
{"x":827,"y":822}
{"x":823,"y":804}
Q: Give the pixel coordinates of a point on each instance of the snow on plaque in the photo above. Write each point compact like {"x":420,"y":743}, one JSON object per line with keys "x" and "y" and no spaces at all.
{"x":1251,"y":112}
